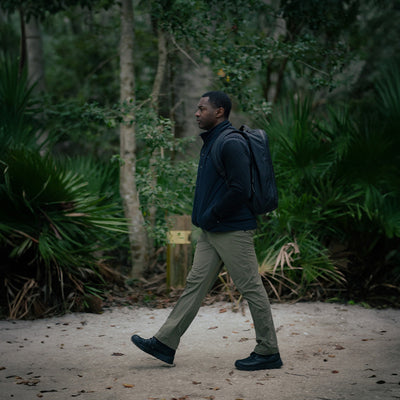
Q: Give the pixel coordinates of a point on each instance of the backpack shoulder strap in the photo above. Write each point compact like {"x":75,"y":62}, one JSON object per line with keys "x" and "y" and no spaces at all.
{"x":217,"y":148}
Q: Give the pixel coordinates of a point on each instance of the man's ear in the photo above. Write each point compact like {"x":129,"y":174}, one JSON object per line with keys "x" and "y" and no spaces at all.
{"x":220,"y":112}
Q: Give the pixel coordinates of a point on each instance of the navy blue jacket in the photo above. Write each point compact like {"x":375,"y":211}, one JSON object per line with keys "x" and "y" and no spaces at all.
{"x":221,"y":205}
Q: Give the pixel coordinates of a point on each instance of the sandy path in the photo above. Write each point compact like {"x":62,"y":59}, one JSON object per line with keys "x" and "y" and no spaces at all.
{"x":330,"y":352}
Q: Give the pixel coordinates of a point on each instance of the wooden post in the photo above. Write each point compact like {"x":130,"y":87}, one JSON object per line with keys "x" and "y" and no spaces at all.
{"x":179,"y":250}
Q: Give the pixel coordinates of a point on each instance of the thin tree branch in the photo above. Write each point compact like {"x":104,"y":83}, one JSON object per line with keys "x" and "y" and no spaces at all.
{"x":313,"y":68}
{"x":184,"y":52}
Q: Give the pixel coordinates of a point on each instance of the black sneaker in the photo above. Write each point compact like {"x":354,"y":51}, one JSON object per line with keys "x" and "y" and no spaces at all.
{"x":155,"y":348}
{"x":256,"y":362}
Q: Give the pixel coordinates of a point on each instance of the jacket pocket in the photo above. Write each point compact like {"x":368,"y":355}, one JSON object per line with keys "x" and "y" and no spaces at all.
{"x":209,"y":220}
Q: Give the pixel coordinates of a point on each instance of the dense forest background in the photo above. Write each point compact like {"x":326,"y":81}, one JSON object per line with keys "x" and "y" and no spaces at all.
{"x":98,"y":144}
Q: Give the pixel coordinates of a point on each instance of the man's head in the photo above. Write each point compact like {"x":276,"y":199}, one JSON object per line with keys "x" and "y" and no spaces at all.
{"x":213,"y":108}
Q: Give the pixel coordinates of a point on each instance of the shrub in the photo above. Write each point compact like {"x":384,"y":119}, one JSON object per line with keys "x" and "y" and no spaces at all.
{"x":54,"y":234}
{"x":339,"y":204}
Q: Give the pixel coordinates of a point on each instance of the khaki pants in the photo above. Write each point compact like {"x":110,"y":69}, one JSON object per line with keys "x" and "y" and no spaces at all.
{"x":213,"y":250}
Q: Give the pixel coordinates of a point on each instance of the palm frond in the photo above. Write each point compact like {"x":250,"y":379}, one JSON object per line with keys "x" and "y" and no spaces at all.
{"x":53,"y":228}
{"x":18,"y":126}
{"x":292,"y":266}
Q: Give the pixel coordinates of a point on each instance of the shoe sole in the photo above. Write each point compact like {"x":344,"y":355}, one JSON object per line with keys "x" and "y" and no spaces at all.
{"x":156,"y":354}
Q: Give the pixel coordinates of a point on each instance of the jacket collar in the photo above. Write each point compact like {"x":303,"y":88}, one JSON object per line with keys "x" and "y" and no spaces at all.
{"x":214,"y":132}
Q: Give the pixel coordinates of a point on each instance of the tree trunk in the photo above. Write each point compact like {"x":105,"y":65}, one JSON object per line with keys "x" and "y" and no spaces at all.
{"x":137,"y":232}
{"x":275,"y":70}
{"x":34,"y":48}
{"x":274,"y":81}
{"x":161,"y":67}
{"x":155,"y":102}
{"x":22,"y":57}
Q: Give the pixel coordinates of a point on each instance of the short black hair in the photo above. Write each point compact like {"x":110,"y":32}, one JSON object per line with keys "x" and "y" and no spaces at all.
{"x":220,"y":99}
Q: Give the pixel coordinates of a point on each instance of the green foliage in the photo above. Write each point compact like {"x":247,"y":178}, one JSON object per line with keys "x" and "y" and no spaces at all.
{"x":82,"y":128}
{"x":176,"y":15}
{"x":59,"y":220}
{"x":18,"y":125}
{"x":39,"y":8}
{"x":329,"y":16}
{"x":9,"y":38}
{"x":369,"y":162}
{"x":376,"y":43}
{"x":251,"y":42}
{"x":165,"y":180}
{"x":89,"y":75}
{"x":53,"y":228}
{"x":337,"y":170}
{"x":295,"y":267}
{"x":339,"y":189}
{"x":389,"y":95}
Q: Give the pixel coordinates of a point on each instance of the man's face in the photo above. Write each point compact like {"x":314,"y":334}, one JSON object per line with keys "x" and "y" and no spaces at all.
{"x":206,"y":114}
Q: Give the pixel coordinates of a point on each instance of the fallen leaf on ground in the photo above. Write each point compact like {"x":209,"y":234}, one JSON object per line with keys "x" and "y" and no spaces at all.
{"x":213,"y":327}
{"x":117,"y":354}
{"x":196,"y":383}
{"x":128,"y":385}
{"x":222,"y":310}
{"x":28,"y":382}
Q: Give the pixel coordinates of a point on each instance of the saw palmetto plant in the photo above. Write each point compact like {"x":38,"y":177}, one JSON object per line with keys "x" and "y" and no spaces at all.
{"x":58,"y":219}
{"x":53,"y":232}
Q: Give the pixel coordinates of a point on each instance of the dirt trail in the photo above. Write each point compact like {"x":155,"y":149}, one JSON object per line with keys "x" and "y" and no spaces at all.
{"x":330,"y":352}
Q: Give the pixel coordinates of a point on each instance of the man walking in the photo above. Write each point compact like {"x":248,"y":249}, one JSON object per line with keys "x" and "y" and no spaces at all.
{"x":220,"y":210}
